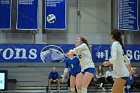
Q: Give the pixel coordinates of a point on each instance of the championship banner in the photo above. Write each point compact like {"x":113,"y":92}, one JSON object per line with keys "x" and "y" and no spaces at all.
{"x":27,"y":15}
{"x":101,"y":53}
{"x":55,"y":14}
{"x":5,"y":16}
{"x":128,"y":15}
{"x":33,"y":53}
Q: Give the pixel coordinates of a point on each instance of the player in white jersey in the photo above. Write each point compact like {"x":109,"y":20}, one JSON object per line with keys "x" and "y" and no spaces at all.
{"x":119,"y":60}
{"x":87,"y":65}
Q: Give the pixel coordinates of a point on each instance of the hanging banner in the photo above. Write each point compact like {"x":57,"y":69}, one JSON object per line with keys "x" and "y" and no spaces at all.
{"x":55,"y":15}
{"x":27,"y":14}
{"x":128,"y":15}
{"x":33,"y":53}
{"x":101,"y":53}
{"x":5,"y":16}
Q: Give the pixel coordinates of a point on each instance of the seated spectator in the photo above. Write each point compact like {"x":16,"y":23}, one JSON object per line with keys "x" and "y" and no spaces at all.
{"x":53,"y":77}
{"x":100,"y":76}
{"x":110,"y":75}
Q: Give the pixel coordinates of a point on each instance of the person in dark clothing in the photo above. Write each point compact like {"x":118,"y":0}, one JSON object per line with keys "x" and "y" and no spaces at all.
{"x":53,"y":77}
{"x":110,"y":75}
{"x":100,"y":76}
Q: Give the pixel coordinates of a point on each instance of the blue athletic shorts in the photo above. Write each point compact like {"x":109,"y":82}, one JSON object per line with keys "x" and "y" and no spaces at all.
{"x":125,"y":78}
{"x":89,"y":70}
{"x":75,"y":74}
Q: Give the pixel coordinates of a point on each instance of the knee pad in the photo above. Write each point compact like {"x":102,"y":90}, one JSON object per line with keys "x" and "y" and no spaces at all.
{"x":84,"y":90}
{"x":78,"y":88}
{"x":79,"y":91}
{"x":72,"y":89}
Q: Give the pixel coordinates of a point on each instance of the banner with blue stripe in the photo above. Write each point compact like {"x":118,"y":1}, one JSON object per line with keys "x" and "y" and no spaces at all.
{"x":33,"y":53}
{"x":128,"y":15}
{"x":101,"y":53}
{"x":27,"y":15}
{"x":36,"y":53}
{"x":55,"y":14}
{"x":5,"y":16}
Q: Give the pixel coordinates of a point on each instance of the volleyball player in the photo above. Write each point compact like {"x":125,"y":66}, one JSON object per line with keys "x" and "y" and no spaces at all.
{"x":88,"y":68}
{"x":119,"y":60}
{"x":73,"y":63}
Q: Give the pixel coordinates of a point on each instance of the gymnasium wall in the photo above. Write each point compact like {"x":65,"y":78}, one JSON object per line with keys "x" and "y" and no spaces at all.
{"x":130,"y":37}
{"x":94,"y":24}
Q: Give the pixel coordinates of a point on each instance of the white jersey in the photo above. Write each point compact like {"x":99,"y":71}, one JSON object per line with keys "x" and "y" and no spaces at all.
{"x":118,"y":60}
{"x":110,"y":73}
{"x":84,"y":56}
